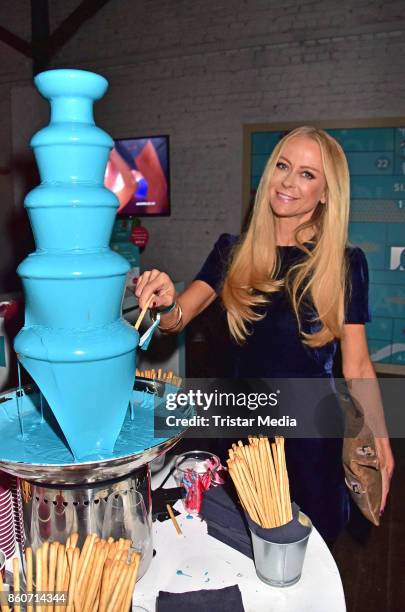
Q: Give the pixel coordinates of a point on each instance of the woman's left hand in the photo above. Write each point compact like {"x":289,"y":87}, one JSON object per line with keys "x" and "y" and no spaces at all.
{"x":387,"y":465}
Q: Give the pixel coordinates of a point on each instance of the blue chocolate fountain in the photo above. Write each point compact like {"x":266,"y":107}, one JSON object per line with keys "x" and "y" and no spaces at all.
{"x":74,"y":343}
{"x":82,"y":435}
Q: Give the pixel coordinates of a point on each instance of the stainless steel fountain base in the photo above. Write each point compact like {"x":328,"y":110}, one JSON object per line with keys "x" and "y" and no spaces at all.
{"x":53,"y":513}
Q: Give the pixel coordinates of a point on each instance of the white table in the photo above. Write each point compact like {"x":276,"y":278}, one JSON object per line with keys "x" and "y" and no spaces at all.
{"x":196,"y":561}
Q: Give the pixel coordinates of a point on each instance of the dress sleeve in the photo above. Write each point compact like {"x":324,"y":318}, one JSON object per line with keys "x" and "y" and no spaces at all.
{"x":215,"y":266}
{"x":357,"y":307}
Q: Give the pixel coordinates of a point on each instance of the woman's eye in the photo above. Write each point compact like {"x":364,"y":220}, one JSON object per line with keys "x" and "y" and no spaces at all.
{"x":308,"y":175}
{"x":281,"y":165}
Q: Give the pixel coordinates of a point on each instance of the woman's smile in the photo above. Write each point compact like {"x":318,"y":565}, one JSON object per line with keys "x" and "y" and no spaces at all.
{"x":285,"y":197}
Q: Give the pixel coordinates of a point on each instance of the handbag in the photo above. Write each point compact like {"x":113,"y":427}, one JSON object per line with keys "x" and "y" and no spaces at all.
{"x":360,"y":463}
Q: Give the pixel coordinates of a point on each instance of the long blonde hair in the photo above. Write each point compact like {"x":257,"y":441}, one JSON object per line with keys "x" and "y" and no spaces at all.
{"x":320,"y":278}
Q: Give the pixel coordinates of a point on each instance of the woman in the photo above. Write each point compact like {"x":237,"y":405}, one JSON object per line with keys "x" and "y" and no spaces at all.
{"x":291,"y":289}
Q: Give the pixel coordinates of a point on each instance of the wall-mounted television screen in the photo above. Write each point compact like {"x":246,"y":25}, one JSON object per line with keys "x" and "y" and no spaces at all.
{"x":138,"y":173}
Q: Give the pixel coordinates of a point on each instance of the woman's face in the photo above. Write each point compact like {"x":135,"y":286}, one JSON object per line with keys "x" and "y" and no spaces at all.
{"x":298,"y":183}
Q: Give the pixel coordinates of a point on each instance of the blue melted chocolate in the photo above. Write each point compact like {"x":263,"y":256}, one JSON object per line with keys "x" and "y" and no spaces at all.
{"x":43,"y":441}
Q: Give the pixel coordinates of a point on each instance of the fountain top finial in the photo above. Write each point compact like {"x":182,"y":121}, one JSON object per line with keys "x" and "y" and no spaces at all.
{"x":69,"y":82}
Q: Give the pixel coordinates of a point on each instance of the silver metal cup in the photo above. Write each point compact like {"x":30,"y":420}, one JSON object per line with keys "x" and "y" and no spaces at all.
{"x":280,"y":564}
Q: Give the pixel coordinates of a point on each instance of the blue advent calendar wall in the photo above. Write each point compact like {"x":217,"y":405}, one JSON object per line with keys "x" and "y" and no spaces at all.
{"x":376,"y":157}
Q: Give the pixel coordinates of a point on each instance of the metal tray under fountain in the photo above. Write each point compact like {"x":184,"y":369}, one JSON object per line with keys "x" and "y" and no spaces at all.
{"x":86,"y":472}
{"x":33,"y":443}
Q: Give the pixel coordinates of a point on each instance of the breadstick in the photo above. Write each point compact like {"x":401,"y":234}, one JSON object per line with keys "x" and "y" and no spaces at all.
{"x":66,"y":575}
{"x":85,"y":558}
{"x":244,"y":498}
{"x":73,"y":539}
{"x":105,"y":586}
{"x":275,"y":459}
{"x":29,"y":572}
{"x":38,"y":575}
{"x":262,"y":458}
{"x":136,"y":558}
{"x":90,"y":570}
{"x":281,"y":481}
{"x":246,"y":490}
{"x":121,"y":543}
{"x":95,"y":577}
{"x":115,"y":569}
{"x":173,"y":519}
{"x":83,"y":553}
{"x":53,"y":553}
{"x":251,"y":465}
{"x":286,"y":483}
{"x":87,"y":563}
{"x":114,"y":573}
{"x":117,"y":588}
{"x":254,"y":450}
{"x":121,"y":595}
{"x":73,"y":599}
{"x":269,"y":479}
{"x":241,"y":449}
{"x":74,"y":555}
{"x":112,"y":550}
{"x":59,"y":568}
{"x":16,"y":581}
{"x":274,"y":483}
{"x":248,"y":481}
{"x":45,"y":550}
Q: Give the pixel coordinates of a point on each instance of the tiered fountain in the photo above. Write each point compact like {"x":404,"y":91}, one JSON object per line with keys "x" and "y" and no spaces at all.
{"x":77,"y":438}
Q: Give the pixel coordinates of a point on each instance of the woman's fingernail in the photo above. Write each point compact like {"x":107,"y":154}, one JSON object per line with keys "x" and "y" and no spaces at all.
{"x":154,"y":304}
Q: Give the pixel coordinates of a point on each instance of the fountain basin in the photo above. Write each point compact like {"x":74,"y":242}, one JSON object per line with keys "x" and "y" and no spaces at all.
{"x":41,"y":455}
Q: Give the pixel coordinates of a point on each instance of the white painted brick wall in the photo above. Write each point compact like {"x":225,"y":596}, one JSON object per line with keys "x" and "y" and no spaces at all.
{"x":199,"y":70}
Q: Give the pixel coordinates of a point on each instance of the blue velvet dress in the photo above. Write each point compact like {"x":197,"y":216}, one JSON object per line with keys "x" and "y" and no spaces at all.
{"x":275,"y":350}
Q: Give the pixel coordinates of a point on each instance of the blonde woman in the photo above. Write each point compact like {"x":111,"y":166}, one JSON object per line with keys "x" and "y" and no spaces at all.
{"x":291,"y":289}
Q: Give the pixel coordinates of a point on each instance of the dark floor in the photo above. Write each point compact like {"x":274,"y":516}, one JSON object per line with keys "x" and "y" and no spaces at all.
{"x":372,"y":566}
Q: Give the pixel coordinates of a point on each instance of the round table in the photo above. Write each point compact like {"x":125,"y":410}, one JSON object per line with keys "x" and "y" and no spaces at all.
{"x":195,"y":561}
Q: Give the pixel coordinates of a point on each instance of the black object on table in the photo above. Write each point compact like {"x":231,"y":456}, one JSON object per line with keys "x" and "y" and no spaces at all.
{"x":227,"y":522}
{"x":228,"y":599}
{"x":225,"y":519}
{"x":161,"y":497}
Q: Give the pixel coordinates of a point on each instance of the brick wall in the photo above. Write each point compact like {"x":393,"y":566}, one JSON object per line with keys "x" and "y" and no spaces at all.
{"x":199,"y":70}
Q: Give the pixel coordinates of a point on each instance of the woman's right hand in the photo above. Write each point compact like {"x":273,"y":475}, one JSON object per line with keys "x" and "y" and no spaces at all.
{"x":157,"y":283}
